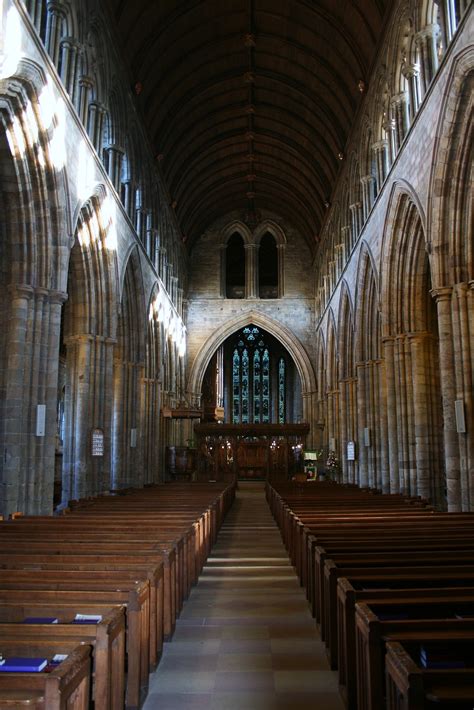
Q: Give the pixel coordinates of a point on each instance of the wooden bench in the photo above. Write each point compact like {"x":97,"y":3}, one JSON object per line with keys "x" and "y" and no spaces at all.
{"x":43,"y":603}
{"x":373,"y":630}
{"x":349,"y":591}
{"x":107,"y":639}
{"x":429,"y":575}
{"x":67,"y":687}
{"x":411,"y":687}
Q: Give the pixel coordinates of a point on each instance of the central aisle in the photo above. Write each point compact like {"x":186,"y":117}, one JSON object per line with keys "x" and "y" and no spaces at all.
{"x":245,"y":639}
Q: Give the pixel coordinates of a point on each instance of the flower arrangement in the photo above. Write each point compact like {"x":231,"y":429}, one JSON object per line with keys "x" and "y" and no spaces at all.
{"x":332,"y":463}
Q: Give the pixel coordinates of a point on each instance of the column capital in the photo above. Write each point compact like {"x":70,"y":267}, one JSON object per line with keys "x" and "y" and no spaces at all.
{"x":461,"y":288}
{"x":86,"y":81}
{"x":380,"y":145}
{"x":21,"y":290}
{"x":59,"y":297}
{"x":427,"y":32}
{"x":398,"y":99}
{"x":55,"y":7}
{"x":71,"y":43}
{"x":443,"y":293}
{"x":367,"y":179}
{"x":421,"y":335}
{"x":410,"y":70}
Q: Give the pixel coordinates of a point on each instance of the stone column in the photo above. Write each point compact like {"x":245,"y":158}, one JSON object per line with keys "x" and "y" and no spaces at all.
{"x":417,"y":344}
{"x":30,"y":379}
{"x":401,"y":118}
{"x":427,"y":45}
{"x":162,"y":265}
{"x":115,"y":156}
{"x":463,"y":359}
{"x":368,"y":194}
{"x":85,"y":88}
{"x":251,"y":271}
{"x":443,"y":298}
{"x":87,"y":406}
{"x":356,"y":221}
{"x":343,"y":426}
{"x":362,"y":423}
{"x":381,"y":162}
{"x":411,"y":72}
{"x":69,"y":50}
{"x":96,"y":124}
{"x":54,"y":23}
{"x":223,"y":269}
{"x":14,"y":434}
{"x":392,"y":419}
{"x":34,"y":8}
{"x":281,"y":248}
{"x":402,"y":414}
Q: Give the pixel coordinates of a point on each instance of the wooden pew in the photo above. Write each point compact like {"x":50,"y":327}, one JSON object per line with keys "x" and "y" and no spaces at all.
{"x":349,"y":591}
{"x":43,"y":602}
{"x":411,"y":687}
{"x":81,"y":567}
{"x":66,"y":688}
{"x":372,"y":630}
{"x":107,"y":639}
{"x":429,"y":575}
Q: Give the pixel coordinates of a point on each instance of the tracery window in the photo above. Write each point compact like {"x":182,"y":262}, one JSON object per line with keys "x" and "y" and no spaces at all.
{"x":281,"y":390}
{"x":250,"y":378}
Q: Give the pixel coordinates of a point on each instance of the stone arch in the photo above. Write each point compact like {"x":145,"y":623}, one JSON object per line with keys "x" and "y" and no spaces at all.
{"x":279,"y":331}
{"x":450,"y":227}
{"x":411,"y":354}
{"x":275,"y":230}
{"x":239,"y":227}
{"x":332,"y":385}
{"x":370,"y":376}
{"x":89,"y":331}
{"x":33,"y":249}
{"x":347,"y":382}
{"x":129,"y":362}
{"x":450,"y":202}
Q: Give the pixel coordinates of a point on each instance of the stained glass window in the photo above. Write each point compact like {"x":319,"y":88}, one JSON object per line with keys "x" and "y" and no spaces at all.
{"x":245,"y":387}
{"x":251,"y":389}
{"x":236,"y":387}
{"x":257,"y":387}
{"x":281,"y":390}
{"x":266,"y":386}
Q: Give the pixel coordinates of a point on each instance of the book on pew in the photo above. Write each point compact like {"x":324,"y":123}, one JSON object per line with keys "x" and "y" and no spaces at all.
{"x":55,"y":662}
{"x":87,"y":619}
{"x":40,"y":620}
{"x":436,"y":658}
{"x":23,"y":665}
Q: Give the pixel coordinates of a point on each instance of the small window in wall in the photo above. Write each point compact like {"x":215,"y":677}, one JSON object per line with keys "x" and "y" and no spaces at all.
{"x":235,"y":267}
{"x":268,"y":267}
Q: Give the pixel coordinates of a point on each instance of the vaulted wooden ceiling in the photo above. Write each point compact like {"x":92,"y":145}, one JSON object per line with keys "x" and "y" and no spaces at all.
{"x":249,"y":103}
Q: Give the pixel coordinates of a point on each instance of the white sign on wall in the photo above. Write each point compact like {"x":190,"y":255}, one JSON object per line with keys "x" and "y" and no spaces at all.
{"x":40,"y":419}
{"x":351,"y":451}
{"x":97,"y":442}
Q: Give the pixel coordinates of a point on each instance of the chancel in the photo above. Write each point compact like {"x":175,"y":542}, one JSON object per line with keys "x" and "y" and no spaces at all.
{"x":236,"y":354}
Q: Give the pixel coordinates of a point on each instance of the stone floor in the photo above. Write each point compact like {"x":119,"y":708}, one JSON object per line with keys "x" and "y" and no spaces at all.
{"x":245,"y":639}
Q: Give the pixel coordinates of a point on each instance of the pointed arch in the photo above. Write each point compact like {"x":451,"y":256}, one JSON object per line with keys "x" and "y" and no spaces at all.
{"x":279,"y":331}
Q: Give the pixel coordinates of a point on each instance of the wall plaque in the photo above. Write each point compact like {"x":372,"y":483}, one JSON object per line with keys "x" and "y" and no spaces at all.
{"x":97,"y":442}
{"x":351,"y":451}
